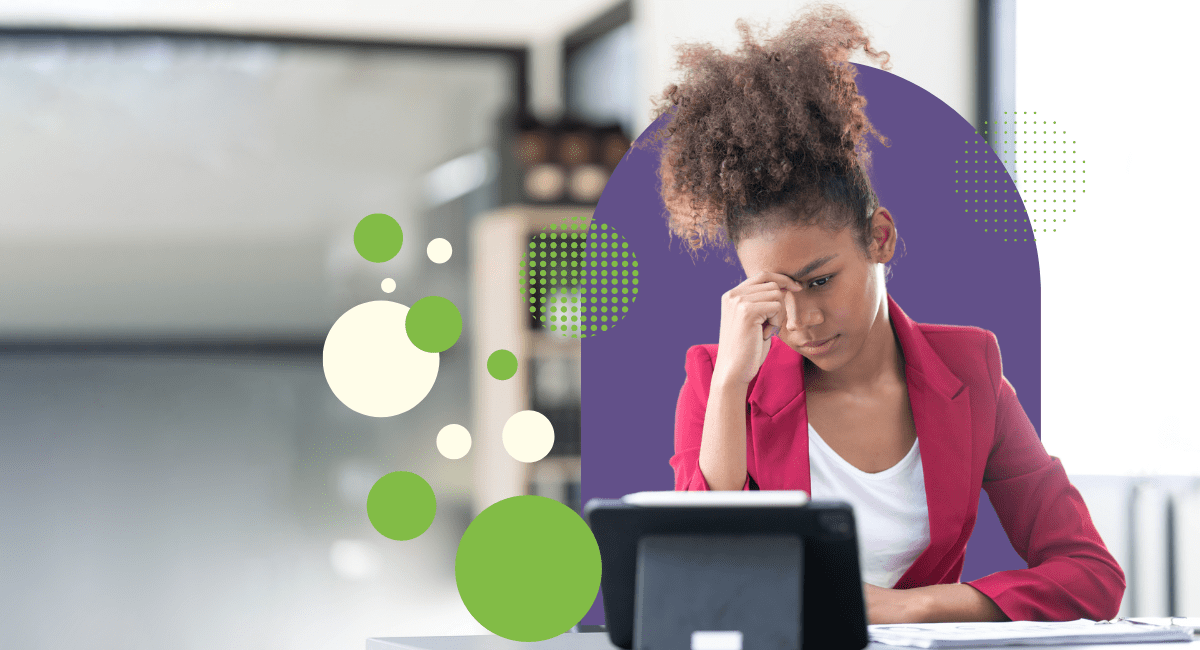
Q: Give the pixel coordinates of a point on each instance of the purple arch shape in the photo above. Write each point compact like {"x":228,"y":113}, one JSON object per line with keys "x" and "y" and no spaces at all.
{"x":951,"y":272}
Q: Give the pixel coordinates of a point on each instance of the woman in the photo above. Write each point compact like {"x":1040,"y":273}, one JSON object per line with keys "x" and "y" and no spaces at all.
{"x":821,"y":382}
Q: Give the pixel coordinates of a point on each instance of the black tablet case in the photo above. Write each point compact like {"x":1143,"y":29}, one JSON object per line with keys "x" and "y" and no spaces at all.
{"x":831,"y":613}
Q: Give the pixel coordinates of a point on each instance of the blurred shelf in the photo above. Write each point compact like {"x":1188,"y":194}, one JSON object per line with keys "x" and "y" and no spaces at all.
{"x":556,"y":478}
{"x":550,"y":345}
{"x":537,"y":217}
{"x":500,"y":241}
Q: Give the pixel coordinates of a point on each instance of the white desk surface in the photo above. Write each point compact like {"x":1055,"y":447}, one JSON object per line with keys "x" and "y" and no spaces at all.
{"x":599,"y":641}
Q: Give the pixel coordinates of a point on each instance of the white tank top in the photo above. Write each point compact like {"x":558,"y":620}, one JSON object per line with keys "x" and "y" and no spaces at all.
{"x":890,"y":510}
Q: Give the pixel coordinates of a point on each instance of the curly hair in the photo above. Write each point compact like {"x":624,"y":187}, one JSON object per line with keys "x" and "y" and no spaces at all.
{"x":779,"y":123}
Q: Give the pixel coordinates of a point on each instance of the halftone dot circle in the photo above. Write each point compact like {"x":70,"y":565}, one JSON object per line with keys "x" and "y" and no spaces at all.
{"x":433,"y":324}
{"x":439,"y":250}
{"x":528,"y":568}
{"x":502,"y":364}
{"x":595,"y":251}
{"x":378,"y":237}
{"x":388,"y":285}
{"x":371,"y":366}
{"x":401,"y":505}
{"x":454,"y":441}
{"x":528,"y":436}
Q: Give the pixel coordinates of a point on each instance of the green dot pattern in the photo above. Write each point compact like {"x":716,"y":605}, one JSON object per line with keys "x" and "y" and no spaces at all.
{"x":1037,"y":201}
{"x":433,"y":324}
{"x":378,"y":237}
{"x":528,"y":568}
{"x":579,"y":279}
{"x":401,"y":505}
{"x":502,"y":364}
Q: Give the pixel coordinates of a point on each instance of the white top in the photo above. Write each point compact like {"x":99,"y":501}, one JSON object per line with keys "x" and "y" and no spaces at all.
{"x":890,"y":510}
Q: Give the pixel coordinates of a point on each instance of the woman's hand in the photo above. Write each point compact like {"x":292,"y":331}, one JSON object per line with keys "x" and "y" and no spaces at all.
{"x":751,"y":313}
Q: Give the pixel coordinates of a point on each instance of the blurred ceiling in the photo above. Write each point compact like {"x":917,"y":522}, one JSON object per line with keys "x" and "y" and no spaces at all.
{"x":481,"y":22}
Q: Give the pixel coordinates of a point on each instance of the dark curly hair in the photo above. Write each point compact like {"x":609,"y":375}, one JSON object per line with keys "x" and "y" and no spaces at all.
{"x":777,"y":124}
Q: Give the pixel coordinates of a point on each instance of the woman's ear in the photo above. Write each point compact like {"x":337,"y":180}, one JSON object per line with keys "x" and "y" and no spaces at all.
{"x":883,"y":236}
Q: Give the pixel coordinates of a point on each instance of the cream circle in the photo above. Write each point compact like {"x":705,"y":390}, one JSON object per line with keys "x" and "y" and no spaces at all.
{"x":439,"y":250}
{"x":528,"y":436}
{"x":454,"y":441}
{"x":370,"y":364}
{"x":388,"y":285}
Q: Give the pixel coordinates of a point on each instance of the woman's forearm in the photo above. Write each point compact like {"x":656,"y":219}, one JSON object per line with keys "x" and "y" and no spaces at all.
{"x":957,"y":603}
{"x":723,"y":445}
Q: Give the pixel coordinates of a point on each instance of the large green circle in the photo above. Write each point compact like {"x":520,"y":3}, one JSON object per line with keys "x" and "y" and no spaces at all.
{"x":528,"y":568}
{"x":378,"y":237}
{"x":401,"y":505}
{"x":502,"y":364}
{"x":433,"y":324}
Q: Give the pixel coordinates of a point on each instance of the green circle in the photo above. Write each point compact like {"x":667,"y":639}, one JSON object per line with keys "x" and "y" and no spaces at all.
{"x":433,"y":324}
{"x":378,"y":237}
{"x":401,"y":505}
{"x":528,"y":568}
{"x":502,"y":364}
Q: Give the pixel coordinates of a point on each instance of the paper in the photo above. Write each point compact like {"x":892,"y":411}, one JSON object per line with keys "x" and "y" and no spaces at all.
{"x":1192,"y":623}
{"x":1022,"y":633}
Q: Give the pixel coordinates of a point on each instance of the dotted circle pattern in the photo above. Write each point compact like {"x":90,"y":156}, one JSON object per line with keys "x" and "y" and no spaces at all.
{"x":579,"y":278}
{"x":1006,"y":216}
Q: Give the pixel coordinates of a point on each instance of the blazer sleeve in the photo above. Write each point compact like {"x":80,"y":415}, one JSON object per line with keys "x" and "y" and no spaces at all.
{"x":1071,"y":573}
{"x":689,"y":421}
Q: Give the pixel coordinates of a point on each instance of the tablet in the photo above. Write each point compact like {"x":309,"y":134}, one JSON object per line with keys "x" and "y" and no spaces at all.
{"x":833,"y":614}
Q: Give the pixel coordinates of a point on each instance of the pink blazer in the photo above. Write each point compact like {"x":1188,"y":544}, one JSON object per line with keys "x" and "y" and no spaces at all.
{"x":973,"y":433}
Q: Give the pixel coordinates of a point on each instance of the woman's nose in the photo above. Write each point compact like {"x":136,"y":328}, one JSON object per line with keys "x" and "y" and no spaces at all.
{"x":799,"y":314}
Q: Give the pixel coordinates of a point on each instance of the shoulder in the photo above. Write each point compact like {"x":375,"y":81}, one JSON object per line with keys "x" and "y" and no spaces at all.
{"x":957,"y":339}
{"x":699,"y":364}
{"x":700,"y":360}
{"x":967,"y":351}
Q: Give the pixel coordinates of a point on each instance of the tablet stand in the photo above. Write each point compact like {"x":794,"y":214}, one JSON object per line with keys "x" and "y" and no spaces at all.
{"x":718,"y":586}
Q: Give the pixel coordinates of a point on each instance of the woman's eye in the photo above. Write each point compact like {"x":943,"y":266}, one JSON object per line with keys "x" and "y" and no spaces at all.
{"x":820,"y":282}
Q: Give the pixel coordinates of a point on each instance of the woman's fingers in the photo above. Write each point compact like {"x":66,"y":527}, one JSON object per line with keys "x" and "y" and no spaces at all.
{"x":766,"y":281}
{"x":760,"y":312}
{"x":782,"y":280}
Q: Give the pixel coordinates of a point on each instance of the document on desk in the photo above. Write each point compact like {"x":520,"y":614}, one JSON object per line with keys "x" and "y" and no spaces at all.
{"x":1022,"y":633}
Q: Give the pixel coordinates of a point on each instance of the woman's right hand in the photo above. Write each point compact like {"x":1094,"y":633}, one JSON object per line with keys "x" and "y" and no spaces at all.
{"x":751,"y":313}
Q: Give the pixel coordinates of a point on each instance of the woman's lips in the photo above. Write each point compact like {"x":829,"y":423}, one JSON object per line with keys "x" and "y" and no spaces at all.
{"x":817,"y":347}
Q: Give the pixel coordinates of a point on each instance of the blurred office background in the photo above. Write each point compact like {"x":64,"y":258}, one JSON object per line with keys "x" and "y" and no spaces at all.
{"x":181,"y":181}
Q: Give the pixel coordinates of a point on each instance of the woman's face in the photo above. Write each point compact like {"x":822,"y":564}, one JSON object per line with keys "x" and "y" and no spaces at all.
{"x":843,"y":301}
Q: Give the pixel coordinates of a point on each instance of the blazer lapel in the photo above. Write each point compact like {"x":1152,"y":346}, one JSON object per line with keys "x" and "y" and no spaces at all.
{"x":778,"y":421}
{"x":942,"y":415}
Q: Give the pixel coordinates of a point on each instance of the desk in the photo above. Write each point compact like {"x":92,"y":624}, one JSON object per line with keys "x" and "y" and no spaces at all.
{"x":599,"y":641}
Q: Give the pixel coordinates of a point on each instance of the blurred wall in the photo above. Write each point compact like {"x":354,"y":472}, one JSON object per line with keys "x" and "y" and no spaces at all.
{"x":932,"y":43}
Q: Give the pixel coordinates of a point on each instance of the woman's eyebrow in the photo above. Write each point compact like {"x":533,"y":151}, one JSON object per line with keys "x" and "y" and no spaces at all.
{"x":812,"y":266}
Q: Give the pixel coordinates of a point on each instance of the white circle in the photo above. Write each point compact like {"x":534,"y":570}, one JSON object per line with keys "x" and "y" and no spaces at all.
{"x":454,"y":441}
{"x":370,"y":364}
{"x":528,"y":436}
{"x":439,"y":250}
{"x":388,"y":285}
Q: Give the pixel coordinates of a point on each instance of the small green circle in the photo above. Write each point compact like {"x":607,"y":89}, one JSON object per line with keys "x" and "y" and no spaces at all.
{"x":378,"y":237}
{"x":401,"y":505}
{"x":433,"y":324}
{"x":502,"y":364}
{"x":527,"y":568}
